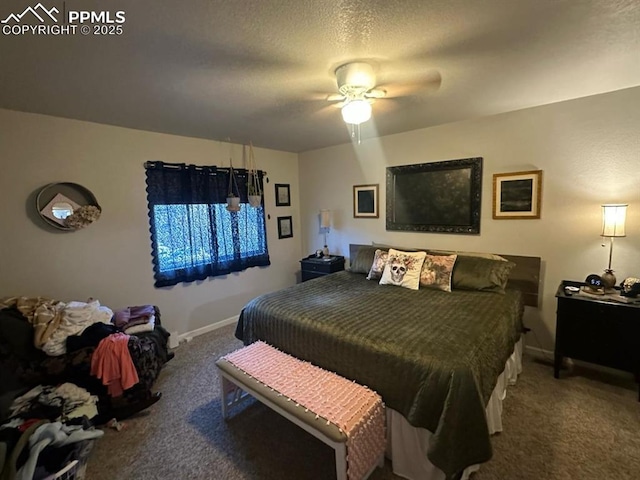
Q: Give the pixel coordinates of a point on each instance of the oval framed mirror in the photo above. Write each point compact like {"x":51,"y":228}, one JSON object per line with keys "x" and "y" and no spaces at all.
{"x":57,"y":202}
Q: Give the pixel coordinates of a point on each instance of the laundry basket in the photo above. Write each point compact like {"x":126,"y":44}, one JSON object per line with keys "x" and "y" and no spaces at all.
{"x":67,"y":473}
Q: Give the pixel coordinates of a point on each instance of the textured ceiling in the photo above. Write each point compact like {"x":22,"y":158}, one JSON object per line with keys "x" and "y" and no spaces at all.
{"x":261,"y":70}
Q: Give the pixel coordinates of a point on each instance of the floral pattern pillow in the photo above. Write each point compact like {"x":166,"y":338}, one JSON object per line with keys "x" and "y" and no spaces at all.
{"x":403,"y":269}
{"x":377,"y":267}
{"x":437,"y":271}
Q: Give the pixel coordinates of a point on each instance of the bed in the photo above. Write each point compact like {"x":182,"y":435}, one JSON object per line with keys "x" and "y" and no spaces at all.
{"x":435,"y":357}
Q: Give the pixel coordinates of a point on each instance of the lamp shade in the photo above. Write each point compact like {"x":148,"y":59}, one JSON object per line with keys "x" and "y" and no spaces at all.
{"x":356,"y":112}
{"x":613,"y":220}
{"x":325,"y":218}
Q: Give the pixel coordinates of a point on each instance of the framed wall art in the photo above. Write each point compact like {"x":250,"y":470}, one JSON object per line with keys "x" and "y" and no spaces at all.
{"x":285,"y":227}
{"x":283,"y":195}
{"x":365,"y":201}
{"x":442,"y":197}
{"x":517,"y":195}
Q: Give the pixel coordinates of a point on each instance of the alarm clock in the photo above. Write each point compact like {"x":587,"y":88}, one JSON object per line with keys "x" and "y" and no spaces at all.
{"x":594,"y":284}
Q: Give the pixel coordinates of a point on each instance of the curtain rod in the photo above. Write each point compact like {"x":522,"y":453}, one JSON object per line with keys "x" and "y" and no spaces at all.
{"x":149,"y":164}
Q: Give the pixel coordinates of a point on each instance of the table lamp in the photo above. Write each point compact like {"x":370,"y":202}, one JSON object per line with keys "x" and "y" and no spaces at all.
{"x":613,"y":220}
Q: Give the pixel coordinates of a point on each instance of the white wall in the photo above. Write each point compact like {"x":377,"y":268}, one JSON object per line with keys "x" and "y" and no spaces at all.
{"x":111,"y":259}
{"x":588,"y":149}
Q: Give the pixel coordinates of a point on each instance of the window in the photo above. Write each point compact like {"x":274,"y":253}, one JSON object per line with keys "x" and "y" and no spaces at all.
{"x":184,"y":234}
{"x":193,"y":235}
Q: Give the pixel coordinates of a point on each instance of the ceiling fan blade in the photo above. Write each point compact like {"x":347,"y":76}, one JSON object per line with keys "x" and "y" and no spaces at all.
{"x":326,"y":111}
{"x":388,"y":105}
{"x":425,"y":85}
{"x":376,"y":93}
{"x":335,"y":97}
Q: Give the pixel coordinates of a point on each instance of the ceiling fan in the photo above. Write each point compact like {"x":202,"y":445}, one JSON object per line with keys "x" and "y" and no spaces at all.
{"x":356,"y":84}
{"x":358,"y":90}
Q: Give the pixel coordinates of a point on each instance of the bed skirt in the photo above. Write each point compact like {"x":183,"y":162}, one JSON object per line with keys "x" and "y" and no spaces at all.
{"x":407,"y":445}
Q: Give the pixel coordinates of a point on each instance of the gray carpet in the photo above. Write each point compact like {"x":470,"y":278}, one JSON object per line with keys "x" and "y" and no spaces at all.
{"x":585,"y":426}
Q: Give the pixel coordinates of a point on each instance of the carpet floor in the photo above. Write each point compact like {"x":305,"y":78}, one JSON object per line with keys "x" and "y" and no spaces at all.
{"x":584,"y":426}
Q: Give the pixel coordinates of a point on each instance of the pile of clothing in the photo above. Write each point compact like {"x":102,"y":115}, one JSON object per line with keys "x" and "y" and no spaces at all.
{"x":66,"y":401}
{"x":82,"y":366}
{"x":133,"y":320}
{"x":48,"y":427}
{"x":61,"y":328}
{"x":54,"y":321}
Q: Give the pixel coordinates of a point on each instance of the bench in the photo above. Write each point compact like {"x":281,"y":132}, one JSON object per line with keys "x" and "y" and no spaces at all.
{"x":348,"y":417}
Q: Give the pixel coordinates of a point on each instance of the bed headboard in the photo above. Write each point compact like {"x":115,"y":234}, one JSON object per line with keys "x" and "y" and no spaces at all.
{"x":525,"y":276}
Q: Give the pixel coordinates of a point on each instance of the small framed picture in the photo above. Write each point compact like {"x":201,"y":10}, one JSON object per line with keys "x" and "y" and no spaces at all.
{"x":285,"y":227}
{"x":283,"y":195}
{"x":517,"y":195}
{"x":365,"y":201}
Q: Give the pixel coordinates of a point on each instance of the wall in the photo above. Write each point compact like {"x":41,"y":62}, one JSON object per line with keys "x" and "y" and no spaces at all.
{"x":588,"y":150}
{"x":111,"y":259}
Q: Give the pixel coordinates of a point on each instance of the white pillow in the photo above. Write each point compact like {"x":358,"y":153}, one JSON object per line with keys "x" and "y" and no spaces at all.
{"x":403,"y":269}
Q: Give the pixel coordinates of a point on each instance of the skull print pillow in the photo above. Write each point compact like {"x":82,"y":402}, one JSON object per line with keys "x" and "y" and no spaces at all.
{"x":403,"y":269}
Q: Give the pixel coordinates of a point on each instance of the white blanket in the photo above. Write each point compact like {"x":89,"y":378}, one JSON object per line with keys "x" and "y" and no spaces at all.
{"x":76,"y":316}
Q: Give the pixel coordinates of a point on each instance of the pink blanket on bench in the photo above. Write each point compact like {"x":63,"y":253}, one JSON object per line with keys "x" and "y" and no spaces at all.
{"x":354,"y":409}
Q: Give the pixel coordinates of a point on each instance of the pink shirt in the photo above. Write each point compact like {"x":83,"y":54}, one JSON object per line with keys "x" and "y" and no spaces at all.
{"x":111,"y":362}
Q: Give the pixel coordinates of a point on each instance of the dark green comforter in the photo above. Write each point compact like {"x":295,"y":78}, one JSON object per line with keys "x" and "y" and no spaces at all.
{"x":433,"y":356}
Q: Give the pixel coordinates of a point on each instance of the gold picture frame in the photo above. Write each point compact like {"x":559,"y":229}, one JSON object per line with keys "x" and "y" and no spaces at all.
{"x":517,"y":195}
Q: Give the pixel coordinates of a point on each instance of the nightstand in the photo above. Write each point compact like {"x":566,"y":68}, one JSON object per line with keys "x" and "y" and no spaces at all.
{"x":597,"y":330}
{"x":313,"y":267}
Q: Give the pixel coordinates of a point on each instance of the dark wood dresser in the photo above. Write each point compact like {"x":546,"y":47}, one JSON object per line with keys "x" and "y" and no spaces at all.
{"x":597,"y":330}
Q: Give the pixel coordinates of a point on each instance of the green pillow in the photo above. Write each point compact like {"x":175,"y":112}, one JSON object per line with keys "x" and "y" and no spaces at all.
{"x":363,"y":260}
{"x":478,"y":273}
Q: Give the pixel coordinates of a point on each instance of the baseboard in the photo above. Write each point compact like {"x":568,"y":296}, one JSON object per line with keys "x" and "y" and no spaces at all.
{"x":538,"y":352}
{"x":548,"y":355}
{"x":188,"y":336}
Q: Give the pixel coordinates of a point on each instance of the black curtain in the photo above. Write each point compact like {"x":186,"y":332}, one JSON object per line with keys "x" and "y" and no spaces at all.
{"x":193,"y":236}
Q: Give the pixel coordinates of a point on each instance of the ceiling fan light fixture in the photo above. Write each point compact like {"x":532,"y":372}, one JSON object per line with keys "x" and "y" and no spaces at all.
{"x":356,"y":111}
{"x":355,"y":77}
